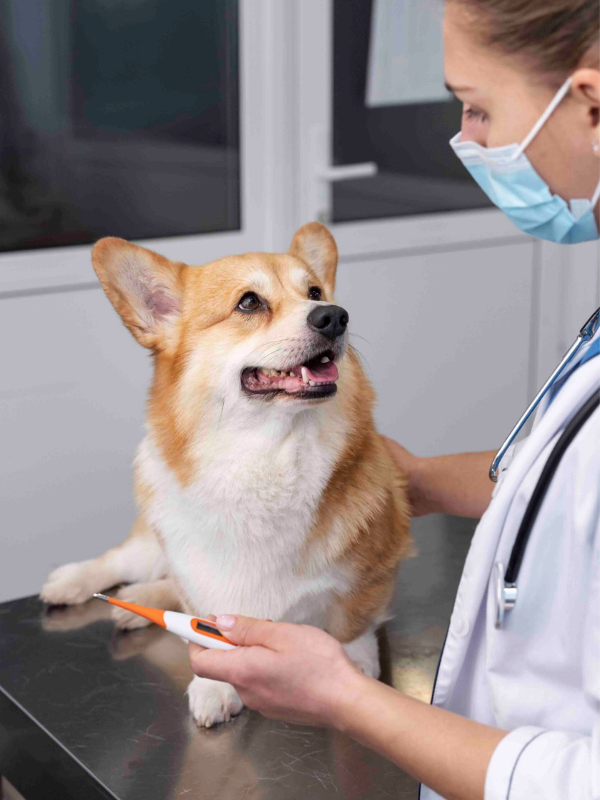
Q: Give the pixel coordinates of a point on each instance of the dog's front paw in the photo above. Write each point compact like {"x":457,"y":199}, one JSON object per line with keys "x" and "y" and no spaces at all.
{"x":212,"y":702}
{"x":135,"y":593}
{"x":70,"y":584}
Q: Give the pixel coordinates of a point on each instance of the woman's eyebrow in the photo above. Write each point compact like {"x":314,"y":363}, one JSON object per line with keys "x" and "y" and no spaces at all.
{"x":455,"y":89}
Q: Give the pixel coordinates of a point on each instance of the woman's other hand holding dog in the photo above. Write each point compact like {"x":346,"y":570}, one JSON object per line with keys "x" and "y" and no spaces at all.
{"x":456,"y":484}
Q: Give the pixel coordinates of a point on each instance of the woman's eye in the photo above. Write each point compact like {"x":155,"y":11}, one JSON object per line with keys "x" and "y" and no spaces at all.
{"x":249,"y":302}
{"x":314,"y":293}
{"x":472,"y":113}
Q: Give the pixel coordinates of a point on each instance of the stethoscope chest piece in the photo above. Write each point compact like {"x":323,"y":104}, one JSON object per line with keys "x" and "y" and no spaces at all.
{"x":506,"y":594}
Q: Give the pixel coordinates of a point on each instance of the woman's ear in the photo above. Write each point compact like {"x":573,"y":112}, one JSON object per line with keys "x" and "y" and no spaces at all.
{"x":585,"y":88}
{"x":315,"y":245}
{"x":146,"y":289}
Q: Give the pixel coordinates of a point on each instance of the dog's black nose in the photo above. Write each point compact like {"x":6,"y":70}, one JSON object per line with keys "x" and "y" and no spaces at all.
{"x":331,"y":321}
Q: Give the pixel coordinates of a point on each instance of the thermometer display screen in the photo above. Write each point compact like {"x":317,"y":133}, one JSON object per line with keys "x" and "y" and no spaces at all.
{"x":203,"y":627}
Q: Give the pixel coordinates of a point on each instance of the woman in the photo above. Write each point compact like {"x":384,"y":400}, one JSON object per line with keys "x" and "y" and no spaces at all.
{"x":516,"y":708}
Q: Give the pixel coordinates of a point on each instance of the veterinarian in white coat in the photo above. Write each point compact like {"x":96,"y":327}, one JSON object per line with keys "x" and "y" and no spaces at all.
{"x":516,"y":706}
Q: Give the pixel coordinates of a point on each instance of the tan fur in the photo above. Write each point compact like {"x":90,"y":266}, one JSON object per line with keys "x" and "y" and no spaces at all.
{"x":362,"y":520}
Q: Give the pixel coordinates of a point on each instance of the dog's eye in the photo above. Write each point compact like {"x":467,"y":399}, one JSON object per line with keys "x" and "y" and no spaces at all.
{"x":249,"y":302}
{"x":314,"y":293}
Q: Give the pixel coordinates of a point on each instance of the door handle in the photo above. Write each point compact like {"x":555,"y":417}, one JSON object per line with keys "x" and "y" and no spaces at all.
{"x":322,"y":174}
{"x":345,"y":173}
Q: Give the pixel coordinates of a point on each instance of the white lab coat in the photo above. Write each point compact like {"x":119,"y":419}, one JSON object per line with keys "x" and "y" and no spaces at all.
{"x":539,"y":676}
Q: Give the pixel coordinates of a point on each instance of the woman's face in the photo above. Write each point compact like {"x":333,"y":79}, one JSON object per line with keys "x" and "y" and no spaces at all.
{"x":502,"y":100}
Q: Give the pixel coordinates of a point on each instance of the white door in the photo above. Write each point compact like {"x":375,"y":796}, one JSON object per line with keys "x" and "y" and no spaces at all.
{"x":448,"y":303}
{"x":152,"y":121}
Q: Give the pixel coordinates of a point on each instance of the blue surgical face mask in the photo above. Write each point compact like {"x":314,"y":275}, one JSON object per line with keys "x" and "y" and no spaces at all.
{"x":505,"y":174}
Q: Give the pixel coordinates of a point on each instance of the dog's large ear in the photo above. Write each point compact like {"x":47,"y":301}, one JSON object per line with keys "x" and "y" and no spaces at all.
{"x":145,"y":288}
{"x":315,"y":245}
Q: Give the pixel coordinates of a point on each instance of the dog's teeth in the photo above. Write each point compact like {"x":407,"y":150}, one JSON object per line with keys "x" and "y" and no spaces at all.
{"x":324,"y":360}
{"x":304,"y":375}
{"x":312,"y":383}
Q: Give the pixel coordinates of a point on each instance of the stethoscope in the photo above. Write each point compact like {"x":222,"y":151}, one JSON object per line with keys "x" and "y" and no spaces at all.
{"x":506,"y":580}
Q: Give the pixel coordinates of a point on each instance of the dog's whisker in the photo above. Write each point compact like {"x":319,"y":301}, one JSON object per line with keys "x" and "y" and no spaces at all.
{"x":358,"y":336}
{"x":361,"y":355}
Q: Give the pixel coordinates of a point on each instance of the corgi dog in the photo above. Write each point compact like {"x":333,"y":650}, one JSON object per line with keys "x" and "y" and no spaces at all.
{"x":262,"y":485}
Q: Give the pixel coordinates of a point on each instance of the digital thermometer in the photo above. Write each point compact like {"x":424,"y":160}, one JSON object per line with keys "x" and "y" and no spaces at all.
{"x":194,"y":629}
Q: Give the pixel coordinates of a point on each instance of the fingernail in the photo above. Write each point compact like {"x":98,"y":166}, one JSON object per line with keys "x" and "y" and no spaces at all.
{"x":225,"y":622}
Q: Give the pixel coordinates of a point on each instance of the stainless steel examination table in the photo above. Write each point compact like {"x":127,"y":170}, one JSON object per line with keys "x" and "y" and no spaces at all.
{"x":89,"y":713}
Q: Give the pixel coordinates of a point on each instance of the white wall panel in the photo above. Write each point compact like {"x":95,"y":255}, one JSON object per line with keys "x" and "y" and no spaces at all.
{"x":580,"y":288}
{"x":72,"y":390}
{"x":446,"y":342}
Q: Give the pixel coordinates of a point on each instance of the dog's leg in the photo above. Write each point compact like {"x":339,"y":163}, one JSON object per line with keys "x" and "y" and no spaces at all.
{"x":212,"y":701}
{"x":363,"y":649}
{"x":139,"y":558}
{"x":364,"y":652}
{"x":156,"y":594}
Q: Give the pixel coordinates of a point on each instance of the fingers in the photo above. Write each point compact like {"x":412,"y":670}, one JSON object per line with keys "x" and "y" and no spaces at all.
{"x":249,"y":631}
{"x":216,"y":664}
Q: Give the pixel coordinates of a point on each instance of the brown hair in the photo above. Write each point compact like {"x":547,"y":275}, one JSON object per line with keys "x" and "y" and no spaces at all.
{"x":551,"y":36}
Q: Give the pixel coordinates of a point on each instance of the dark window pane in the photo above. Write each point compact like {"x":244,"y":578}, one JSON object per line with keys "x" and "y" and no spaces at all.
{"x":418,"y":172}
{"x":119,"y":117}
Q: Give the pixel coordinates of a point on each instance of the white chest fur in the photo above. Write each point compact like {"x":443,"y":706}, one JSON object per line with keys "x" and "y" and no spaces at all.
{"x":234,"y":536}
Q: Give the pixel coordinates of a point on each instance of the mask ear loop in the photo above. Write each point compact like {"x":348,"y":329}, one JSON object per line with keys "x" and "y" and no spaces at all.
{"x":558,"y":97}
{"x":595,"y":196}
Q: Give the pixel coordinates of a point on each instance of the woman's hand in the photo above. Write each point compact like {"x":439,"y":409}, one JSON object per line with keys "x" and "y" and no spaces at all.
{"x":292,"y":672}
{"x":303,"y":675}
{"x":456,"y":484}
{"x":412,"y":466}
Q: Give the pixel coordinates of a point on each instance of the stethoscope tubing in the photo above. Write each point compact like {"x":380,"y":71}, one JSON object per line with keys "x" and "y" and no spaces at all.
{"x":506,"y":587}
{"x":543,"y":484}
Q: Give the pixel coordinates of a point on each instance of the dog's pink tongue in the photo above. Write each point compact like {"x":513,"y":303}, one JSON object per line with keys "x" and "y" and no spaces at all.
{"x":323,"y":373}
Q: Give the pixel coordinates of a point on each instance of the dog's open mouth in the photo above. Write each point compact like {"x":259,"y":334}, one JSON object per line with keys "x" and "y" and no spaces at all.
{"x":316,"y":378}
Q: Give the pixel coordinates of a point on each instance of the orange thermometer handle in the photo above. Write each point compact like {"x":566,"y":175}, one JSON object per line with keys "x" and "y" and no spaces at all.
{"x":194,"y":629}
